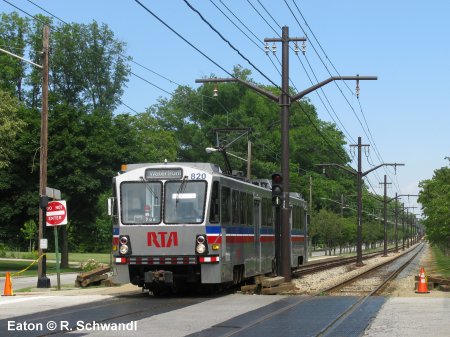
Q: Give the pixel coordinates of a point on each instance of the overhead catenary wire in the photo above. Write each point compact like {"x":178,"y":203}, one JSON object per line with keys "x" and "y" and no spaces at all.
{"x":177,"y":83}
{"x":368,"y":133}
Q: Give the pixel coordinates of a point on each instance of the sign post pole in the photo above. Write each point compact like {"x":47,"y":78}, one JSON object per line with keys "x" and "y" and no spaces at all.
{"x":58,"y":274}
{"x":56,"y":216}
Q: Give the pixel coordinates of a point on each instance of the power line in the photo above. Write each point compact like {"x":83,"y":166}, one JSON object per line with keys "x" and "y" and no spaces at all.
{"x":228,"y":42}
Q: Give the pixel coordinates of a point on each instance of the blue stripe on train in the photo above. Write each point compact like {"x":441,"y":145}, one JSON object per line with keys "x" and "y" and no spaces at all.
{"x":237,"y":230}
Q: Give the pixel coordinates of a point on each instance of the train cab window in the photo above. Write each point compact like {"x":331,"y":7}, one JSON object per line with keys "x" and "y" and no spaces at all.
{"x":140,"y":202}
{"x":225,"y":205}
{"x":184,"y":201}
{"x":214,"y":209}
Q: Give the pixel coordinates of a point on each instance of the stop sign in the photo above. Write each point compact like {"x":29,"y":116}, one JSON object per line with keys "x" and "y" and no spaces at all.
{"x":56,"y":213}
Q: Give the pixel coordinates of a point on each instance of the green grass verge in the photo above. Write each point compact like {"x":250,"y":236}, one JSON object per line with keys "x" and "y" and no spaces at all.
{"x":83,"y":257}
{"x":14,"y":266}
{"x":442,"y":262}
{"x":75,"y":259}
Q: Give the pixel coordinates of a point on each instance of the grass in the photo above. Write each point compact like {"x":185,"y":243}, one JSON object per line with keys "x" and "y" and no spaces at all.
{"x":442,"y":262}
{"x":14,"y":266}
{"x":75,"y":259}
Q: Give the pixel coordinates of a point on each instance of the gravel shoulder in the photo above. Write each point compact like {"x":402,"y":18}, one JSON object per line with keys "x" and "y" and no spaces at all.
{"x":403,"y":286}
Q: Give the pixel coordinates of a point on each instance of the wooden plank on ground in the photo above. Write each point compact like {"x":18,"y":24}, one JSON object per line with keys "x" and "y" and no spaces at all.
{"x":92,"y":279}
{"x":258,"y":279}
{"x":282,"y":288}
{"x":268,"y":282}
{"x":250,"y":288}
{"x":98,"y":271}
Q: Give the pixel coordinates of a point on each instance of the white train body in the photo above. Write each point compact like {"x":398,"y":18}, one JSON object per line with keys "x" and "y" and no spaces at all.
{"x":188,"y":224}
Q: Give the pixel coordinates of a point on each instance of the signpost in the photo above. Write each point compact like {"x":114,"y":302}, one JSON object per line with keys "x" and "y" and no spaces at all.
{"x":56,"y":215}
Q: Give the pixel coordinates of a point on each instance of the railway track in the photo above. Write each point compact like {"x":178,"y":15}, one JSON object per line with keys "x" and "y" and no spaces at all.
{"x":367,"y":284}
{"x":374,"y":280}
{"x":324,"y":265}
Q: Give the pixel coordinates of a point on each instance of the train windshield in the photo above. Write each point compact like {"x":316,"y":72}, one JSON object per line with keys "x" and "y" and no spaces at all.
{"x":141,"y":202}
{"x":184,"y":201}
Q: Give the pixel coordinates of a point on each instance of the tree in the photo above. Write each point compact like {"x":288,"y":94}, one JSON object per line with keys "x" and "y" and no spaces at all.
{"x":13,"y":32}
{"x":328,"y":227}
{"x":29,"y":231}
{"x":10,"y":126}
{"x":435,"y":198}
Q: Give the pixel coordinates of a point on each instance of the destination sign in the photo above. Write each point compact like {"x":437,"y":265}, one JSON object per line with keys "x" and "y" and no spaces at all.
{"x":153,"y":173}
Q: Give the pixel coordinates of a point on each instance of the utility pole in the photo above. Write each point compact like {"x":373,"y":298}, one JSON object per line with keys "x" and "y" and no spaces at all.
{"x":285,"y":100}
{"x":359,"y":175}
{"x":43,"y":280}
{"x":397,"y":196}
{"x":385,"y":183}
{"x":408,"y":228}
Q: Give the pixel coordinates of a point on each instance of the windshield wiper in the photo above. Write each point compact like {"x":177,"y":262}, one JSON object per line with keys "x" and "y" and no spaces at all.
{"x":149,"y":188}
{"x":181,"y":190}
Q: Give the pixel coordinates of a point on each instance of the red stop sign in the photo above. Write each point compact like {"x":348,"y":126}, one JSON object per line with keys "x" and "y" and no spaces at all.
{"x":56,"y":213}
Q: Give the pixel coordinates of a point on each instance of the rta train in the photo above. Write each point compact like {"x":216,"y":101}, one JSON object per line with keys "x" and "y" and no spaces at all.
{"x":188,"y":224}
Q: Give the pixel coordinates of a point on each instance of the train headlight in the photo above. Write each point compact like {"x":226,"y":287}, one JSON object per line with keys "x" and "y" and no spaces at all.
{"x":201,"y":244}
{"x":123,"y":249}
{"x":201,"y":248}
{"x":124,"y":245}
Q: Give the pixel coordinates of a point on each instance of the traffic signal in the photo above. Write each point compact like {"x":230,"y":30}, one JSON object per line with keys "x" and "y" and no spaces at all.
{"x":277,"y":189}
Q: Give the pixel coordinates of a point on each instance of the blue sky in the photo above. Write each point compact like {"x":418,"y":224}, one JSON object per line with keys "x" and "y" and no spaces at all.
{"x":404,"y":115}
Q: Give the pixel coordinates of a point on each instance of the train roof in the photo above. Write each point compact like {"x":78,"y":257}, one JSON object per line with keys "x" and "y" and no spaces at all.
{"x":209,"y":167}
{"x":213,"y":168}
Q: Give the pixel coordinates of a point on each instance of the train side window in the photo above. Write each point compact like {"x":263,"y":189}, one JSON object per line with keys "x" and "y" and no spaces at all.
{"x":250,"y":209}
{"x":235,"y":207}
{"x":214,"y":208}
{"x":267,"y":212}
{"x":297,"y":217}
{"x":243,"y":202}
{"x":225,"y":205}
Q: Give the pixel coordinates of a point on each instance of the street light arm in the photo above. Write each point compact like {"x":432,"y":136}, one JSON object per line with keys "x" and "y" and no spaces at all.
{"x":348,"y":170}
{"x":403,"y":195}
{"x":377,"y":167}
{"x":334,"y":78}
{"x":266,"y":93}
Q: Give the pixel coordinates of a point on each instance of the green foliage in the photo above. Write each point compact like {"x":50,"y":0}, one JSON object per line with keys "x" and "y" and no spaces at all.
{"x":90,"y":264}
{"x":29,"y":231}
{"x":10,"y":126}
{"x":88,"y":143}
{"x":435,"y":199}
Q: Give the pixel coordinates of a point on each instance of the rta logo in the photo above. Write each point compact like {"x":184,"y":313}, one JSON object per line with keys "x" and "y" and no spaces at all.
{"x":162,"y":239}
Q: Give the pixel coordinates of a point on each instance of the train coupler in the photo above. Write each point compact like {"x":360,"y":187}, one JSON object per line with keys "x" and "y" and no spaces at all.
{"x":159,"y":276}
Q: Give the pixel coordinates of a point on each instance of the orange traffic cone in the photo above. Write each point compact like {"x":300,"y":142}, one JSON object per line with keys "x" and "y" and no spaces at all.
{"x":422,"y":287}
{"x":8,"y":290}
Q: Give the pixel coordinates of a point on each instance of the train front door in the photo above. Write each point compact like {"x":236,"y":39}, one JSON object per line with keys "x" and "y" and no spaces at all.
{"x":257,"y":219}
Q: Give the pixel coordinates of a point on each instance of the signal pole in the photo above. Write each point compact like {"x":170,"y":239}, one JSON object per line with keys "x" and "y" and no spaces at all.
{"x":285,"y":100}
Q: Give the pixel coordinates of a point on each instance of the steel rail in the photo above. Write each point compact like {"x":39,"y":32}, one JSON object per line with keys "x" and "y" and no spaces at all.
{"x":336,"y":322}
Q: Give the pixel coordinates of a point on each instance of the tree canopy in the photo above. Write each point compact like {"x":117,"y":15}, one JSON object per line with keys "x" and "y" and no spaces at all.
{"x":435,"y":200}
{"x":89,"y":138}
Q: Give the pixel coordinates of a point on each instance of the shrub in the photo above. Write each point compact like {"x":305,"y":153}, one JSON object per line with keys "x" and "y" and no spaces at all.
{"x":90,"y":264}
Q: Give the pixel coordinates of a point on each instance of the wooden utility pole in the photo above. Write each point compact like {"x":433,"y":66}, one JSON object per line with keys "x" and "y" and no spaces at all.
{"x":43,"y":280}
{"x":385,"y":201}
